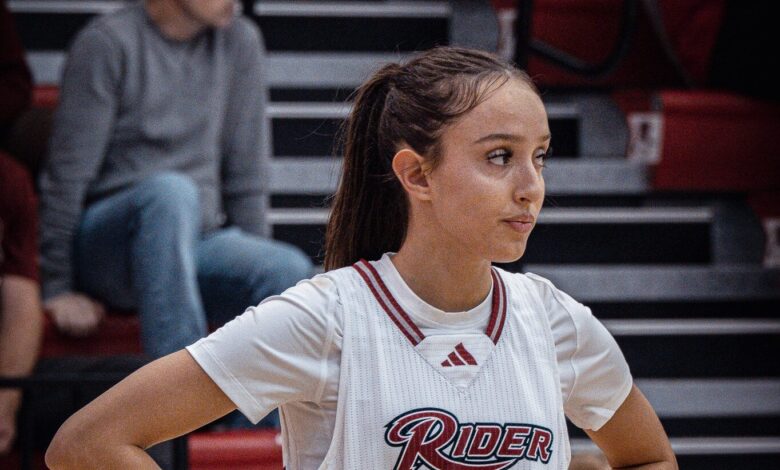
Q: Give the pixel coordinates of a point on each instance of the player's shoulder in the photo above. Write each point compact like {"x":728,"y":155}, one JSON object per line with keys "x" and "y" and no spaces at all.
{"x":318,"y":290}
{"x":555,"y":300}
{"x":321,"y":293}
{"x":530,"y":281}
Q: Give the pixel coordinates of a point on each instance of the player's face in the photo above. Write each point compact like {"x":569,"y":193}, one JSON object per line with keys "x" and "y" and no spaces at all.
{"x":210,"y":13}
{"x":487,"y":189}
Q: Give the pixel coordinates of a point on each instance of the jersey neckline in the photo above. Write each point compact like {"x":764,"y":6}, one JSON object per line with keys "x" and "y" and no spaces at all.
{"x":404,"y":322}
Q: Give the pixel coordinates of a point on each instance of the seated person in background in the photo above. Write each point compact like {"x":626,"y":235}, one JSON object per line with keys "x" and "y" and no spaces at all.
{"x":152,"y":195}
{"x":21,"y":318}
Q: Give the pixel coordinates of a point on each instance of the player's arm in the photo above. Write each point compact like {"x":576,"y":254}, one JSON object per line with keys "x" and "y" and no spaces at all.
{"x":634,"y":437}
{"x":163,"y":400}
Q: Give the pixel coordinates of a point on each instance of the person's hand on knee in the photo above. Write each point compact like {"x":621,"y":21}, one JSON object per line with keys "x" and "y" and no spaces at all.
{"x":75,"y":314}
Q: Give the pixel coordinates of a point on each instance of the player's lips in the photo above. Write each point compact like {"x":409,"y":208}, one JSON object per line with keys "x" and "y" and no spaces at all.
{"x":522,"y":224}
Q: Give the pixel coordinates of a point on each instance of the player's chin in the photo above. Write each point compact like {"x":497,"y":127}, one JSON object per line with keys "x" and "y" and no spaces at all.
{"x":509,"y":253}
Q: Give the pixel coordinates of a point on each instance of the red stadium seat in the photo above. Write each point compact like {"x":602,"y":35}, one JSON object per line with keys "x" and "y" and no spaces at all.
{"x":589,"y":29}
{"x":45,"y":96}
{"x":714,"y":141}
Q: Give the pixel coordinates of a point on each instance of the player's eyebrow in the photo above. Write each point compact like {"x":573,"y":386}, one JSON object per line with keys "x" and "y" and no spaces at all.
{"x":510,"y":137}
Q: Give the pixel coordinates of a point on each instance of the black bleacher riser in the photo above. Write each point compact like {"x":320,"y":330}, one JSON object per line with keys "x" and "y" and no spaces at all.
{"x":705,"y":356}
{"x":309,"y":238}
{"x":54,"y":31}
{"x":304,"y":137}
{"x":314,"y":137}
{"x":723,"y":426}
{"x":619,"y":243}
{"x":361,"y":34}
{"x":49,"y":31}
{"x":729,"y":462}
{"x":583,"y":243}
{"x":565,"y":137}
{"x":319,"y":95}
{"x":307,"y":201}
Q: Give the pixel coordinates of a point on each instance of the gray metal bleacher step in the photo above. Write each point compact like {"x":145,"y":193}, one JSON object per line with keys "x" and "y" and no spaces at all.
{"x":691,"y":326}
{"x":65,"y":6}
{"x":395,"y":9}
{"x":644,"y":215}
{"x":317,"y":110}
{"x":325,"y":69}
{"x":46,"y":66}
{"x":700,"y":416}
{"x":712,"y":397}
{"x":606,"y":176}
{"x":706,"y":446}
{"x":598,"y":283}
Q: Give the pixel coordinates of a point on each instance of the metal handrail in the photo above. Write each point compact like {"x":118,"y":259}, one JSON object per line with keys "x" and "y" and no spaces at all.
{"x":526,"y":44}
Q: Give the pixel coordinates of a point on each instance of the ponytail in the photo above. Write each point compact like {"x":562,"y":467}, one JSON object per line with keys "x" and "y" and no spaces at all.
{"x":369,"y":213}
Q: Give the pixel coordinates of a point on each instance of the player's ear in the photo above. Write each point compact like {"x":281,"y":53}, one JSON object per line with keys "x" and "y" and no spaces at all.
{"x":412,"y":170}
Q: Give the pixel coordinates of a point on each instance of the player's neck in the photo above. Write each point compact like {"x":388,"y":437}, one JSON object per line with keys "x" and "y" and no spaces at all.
{"x":446,"y":279}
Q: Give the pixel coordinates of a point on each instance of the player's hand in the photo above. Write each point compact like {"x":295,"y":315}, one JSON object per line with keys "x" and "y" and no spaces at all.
{"x":75,"y":314}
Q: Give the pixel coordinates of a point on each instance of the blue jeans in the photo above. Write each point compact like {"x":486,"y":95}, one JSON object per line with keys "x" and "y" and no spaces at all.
{"x":142,"y":249}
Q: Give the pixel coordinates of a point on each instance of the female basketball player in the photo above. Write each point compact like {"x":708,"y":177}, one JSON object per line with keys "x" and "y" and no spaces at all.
{"x":411,"y":351}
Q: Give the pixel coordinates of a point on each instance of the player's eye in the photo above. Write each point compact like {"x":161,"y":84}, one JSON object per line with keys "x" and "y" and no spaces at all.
{"x":542,"y":156}
{"x":500,"y":157}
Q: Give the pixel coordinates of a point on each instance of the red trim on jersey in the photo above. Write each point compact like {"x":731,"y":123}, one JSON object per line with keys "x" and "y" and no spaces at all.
{"x":492,"y":323}
{"x":393,"y":310}
{"x":498,"y":314}
{"x":463,"y":352}
{"x":409,"y":328}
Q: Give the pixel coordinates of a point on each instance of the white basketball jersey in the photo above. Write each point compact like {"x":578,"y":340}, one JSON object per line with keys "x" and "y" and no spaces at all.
{"x":479,"y":401}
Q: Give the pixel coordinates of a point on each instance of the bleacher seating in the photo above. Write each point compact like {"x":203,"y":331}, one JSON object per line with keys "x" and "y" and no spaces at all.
{"x":716,"y":141}
{"x":667,"y":254}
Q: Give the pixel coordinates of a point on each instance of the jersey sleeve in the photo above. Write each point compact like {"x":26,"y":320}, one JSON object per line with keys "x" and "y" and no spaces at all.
{"x":276,"y":352}
{"x":595,"y":378}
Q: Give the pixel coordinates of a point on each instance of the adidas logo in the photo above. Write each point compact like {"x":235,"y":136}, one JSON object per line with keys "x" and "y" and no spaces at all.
{"x":459,"y":357}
